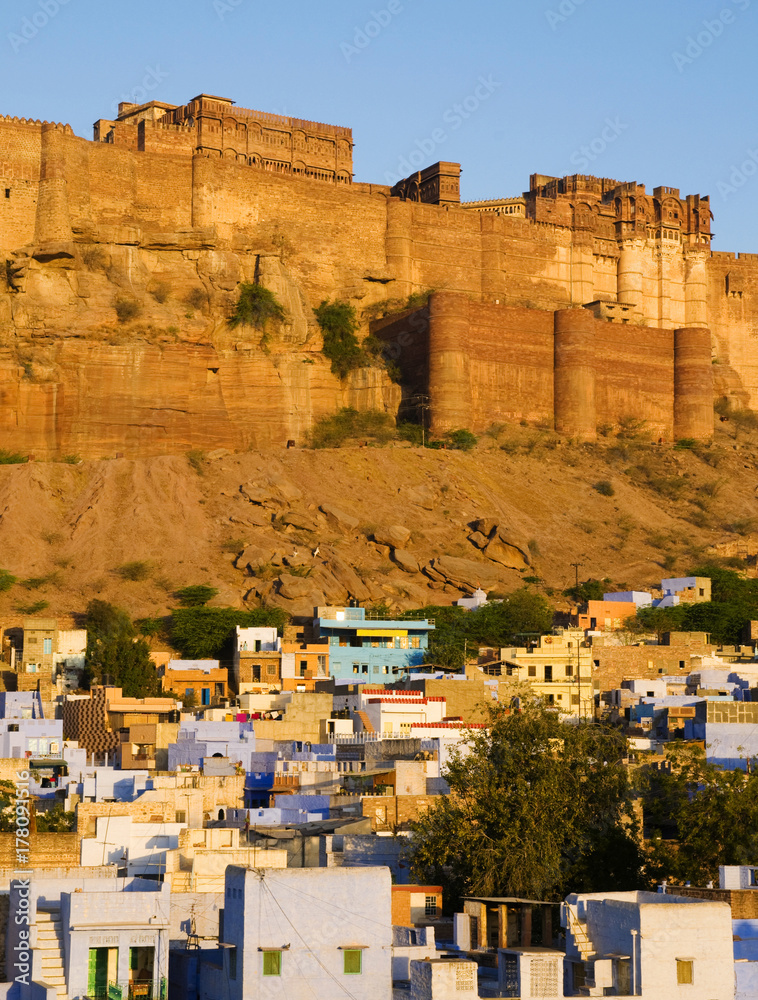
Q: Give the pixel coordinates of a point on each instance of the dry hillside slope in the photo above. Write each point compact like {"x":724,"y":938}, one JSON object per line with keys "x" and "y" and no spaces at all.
{"x":392,"y":524}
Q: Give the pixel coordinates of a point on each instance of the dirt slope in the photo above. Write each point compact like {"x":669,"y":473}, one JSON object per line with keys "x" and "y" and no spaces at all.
{"x":75,"y":526}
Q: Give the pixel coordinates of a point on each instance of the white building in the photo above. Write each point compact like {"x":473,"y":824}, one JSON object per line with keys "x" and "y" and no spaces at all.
{"x":305,"y":933}
{"x":648,"y":944}
{"x":137,"y":848}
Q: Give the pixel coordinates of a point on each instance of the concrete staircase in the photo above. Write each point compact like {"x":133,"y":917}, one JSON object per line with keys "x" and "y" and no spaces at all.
{"x":50,"y":950}
{"x":578,"y":930}
{"x":368,"y":726}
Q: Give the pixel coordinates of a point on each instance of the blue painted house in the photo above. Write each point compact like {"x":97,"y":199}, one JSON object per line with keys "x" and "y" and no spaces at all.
{"x":368,"y":650}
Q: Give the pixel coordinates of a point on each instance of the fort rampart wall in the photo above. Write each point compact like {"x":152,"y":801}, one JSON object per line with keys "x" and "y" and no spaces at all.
{"x":519,"y":348}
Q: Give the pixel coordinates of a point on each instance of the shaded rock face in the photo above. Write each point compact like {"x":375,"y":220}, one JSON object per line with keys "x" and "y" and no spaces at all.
{"x":500,"y":543}
{"x":113,"y":349}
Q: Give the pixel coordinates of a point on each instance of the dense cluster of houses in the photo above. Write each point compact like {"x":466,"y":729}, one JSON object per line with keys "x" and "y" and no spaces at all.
{"x":246,"y":833}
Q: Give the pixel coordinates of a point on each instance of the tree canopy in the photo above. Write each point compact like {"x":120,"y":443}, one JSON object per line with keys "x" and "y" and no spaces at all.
{"x":538,"y":808}
{"x":495,"y":624}
{"x":734,"y":602}
{"x":115,"y":654}
{"x":697,"y":816}
{"x":202,"y":633}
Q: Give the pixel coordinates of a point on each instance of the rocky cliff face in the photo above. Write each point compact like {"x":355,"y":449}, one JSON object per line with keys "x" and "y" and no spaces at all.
{"x":117,"y":349}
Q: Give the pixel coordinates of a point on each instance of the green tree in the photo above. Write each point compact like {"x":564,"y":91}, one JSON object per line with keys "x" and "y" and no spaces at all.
{"x":197,"y":595}
{"x":256,"y":305}
{"x":590,"y":590}
{"x":206,"y":633}
{"x":537,"y":808}
{"x":495,"y":624}
{"x":56,"y":820}
{"x":339,"y":324}
{"x":697,"y":816}
{"x":115,"y":654}
{"x":7,"y":809}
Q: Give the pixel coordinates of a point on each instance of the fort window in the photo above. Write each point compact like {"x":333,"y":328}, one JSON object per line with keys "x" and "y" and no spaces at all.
{"x":7,"y":192}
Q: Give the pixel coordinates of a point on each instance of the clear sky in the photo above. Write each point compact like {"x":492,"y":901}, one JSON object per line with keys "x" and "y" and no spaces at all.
{"x":657,"y":91}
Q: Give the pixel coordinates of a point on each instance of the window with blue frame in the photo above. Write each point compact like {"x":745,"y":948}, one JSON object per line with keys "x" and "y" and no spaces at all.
{"x":47,"y":645}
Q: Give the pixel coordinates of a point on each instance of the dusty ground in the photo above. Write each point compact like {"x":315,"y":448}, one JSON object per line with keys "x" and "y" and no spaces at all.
{"x":65,"y":531}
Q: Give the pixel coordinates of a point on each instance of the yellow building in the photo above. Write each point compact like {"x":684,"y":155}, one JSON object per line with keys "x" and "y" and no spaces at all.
{"x":559,"y":669}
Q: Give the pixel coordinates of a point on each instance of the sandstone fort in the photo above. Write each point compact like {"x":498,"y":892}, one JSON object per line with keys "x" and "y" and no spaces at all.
{"x":583,"y":302}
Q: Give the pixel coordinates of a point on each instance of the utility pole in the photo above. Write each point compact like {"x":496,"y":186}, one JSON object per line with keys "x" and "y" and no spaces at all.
{"x":576,"y":566}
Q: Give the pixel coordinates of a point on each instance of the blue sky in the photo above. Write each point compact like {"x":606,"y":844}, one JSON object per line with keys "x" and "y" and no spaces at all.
{"x":657,"y":92}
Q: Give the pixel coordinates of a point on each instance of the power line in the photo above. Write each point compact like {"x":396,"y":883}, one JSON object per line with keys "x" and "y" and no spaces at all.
{"x":307,"y":946}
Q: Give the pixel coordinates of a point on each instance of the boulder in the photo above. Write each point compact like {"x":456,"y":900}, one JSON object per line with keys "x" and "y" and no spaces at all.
{"x":292,"y":588}
{"x":396,"y":536}
{"x":258,"y":493}
{"x":405,"y":560}
{"x":506,"y":553}
{"x":286,"y":489}
{"x":338,"y":518}
{"x":479,"y":539}
{"x":297,"y":519}
{"x":463,"y":574}
{"x":349,"y":579}
{"x":420,"y":496}
{"x":253,"y":517}
{"x":252,"y":557}
{"x":485,"y":525}
{"x":326,"y":582}
{"x":297,"y":559}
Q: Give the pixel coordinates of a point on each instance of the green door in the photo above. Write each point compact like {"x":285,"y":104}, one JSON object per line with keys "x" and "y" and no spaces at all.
{"x":103,"y":965}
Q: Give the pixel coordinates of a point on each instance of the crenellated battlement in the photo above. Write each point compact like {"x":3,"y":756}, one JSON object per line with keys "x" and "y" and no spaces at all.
{"x":36,"y":123}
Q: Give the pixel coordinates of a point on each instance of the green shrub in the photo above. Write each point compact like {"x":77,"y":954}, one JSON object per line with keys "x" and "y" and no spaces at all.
{"x":605,"y":488}
{"x":35,"y":582}
{"x":338,"y":323}
{"x":256,"y":306}
{"x":71,"y":459}
{"x":332,"y":432}
{"x":410,"y":432}
{"x":126,"y":309}
{"x":196,"y":459}
{"x":685,"y":444}
{"x":462,"y":439}
{"x":137,"y":570}
{"x":12,"y":457}
{"x":6,"y":580}
{"x":32,"y":609}
{"x":196,"y":595}
{"x":150,"y":627}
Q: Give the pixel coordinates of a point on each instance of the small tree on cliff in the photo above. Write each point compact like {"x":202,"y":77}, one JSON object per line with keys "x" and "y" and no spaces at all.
{"x":256,"y":306}
{"x":339,"y":325}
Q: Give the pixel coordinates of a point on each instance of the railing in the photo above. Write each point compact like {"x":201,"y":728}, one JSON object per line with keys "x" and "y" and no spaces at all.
{"x":133,"y":991}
